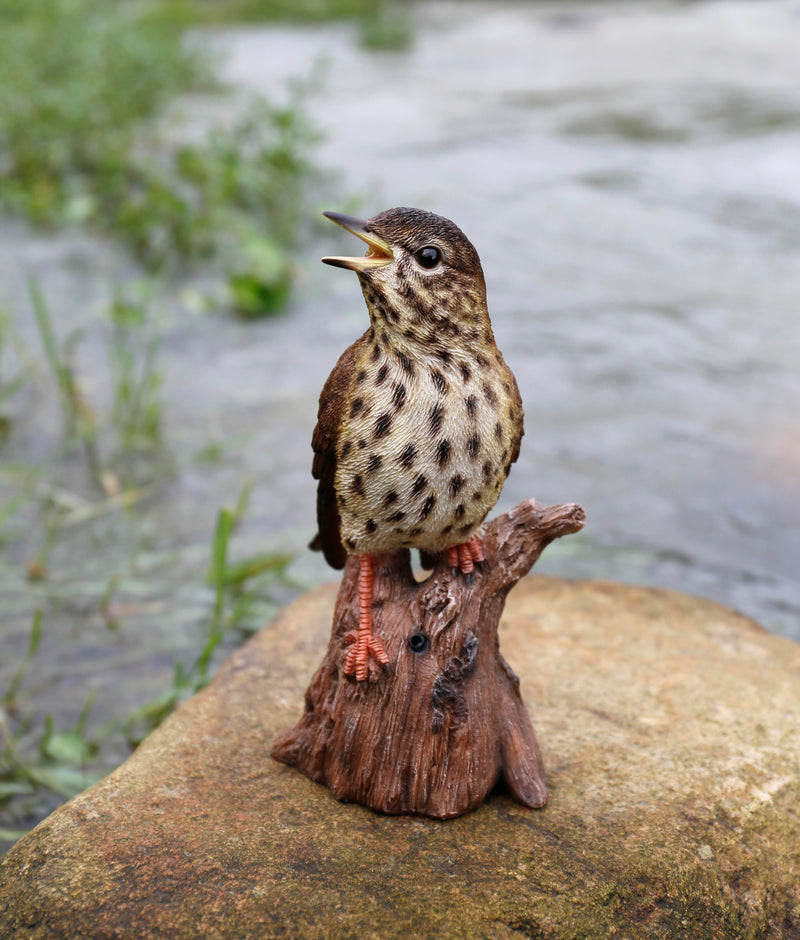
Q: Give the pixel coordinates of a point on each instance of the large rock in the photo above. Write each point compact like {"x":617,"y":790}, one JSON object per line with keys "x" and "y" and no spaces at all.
{"x":670,"y":728}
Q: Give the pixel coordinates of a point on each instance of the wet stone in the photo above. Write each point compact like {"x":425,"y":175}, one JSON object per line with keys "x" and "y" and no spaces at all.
{"x":670,"y":729}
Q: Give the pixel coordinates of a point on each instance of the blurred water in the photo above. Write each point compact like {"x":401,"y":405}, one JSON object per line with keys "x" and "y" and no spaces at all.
{"x":630,"y":175}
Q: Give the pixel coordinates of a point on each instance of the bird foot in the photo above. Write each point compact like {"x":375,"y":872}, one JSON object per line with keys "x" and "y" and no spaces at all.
{"x":464,"y":557}
{"x":361,"y":641}
{"x":362,"y":646}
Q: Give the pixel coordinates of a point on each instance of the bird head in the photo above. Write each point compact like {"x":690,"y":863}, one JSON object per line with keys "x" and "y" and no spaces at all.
{"x":421,"y":276}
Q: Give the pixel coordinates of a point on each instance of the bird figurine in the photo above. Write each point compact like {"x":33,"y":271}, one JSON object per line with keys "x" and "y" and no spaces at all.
{"x":420,"y":419}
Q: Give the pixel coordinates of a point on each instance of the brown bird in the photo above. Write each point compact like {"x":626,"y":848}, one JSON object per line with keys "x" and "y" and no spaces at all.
{"x":421,"y":418}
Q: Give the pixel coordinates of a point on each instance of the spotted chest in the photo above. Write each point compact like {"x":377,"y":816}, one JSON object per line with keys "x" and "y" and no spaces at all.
{"x":424,"y":448}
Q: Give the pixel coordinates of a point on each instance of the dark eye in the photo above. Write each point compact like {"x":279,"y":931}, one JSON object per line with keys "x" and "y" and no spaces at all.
{"x":418,"y":642}
{"x":428,"y":256}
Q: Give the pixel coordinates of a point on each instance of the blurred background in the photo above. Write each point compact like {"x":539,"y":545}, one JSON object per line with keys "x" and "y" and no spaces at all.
{"x":629,"y":174}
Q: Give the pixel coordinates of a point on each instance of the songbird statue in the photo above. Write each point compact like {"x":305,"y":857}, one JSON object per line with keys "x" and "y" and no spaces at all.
{"x":420,"y":419}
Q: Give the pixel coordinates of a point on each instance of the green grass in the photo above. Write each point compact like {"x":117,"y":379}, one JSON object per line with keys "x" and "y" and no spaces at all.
{"x":198,"y":12}
{"x":239,"y":588}
{"x":77,"y":80}
{"x":133,"y":423}
{"x":10,"y":383}
{"x":385,"y":24}
{"x":87,"y":94}
{"x":84,"y":90}
{"x":40,"y":759}
{"x":133,"y":366}
{"x":78,"y":417}
{"x":43,"y":759}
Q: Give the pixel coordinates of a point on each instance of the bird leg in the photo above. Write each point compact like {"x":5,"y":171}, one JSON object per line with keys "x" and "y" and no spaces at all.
{"x":476,"y":550}
{"x":452,"y":558}
{"x":465,"y":556}
{"x":361,"y":641}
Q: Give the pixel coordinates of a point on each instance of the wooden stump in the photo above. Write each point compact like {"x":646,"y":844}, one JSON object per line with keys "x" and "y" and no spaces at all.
{"x":433,"y":733}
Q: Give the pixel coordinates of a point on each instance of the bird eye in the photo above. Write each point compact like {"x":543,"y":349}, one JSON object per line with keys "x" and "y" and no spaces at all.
{"x":428,"y":256}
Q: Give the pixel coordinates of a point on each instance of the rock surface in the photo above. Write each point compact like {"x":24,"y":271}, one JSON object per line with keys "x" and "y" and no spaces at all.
{"x":670,"y":729}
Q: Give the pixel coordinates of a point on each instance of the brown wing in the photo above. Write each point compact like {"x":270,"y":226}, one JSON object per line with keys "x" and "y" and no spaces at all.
{"x":324,"y":442}
{"x":520,"y":413}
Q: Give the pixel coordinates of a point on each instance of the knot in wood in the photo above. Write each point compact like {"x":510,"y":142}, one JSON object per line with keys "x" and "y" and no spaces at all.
{"x":437,"y":598}
{"x":448,"y":693}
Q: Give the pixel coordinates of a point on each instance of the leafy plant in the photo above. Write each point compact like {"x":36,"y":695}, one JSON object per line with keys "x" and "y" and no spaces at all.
{"x":387,"y":25}
{"x":238,"y":587}
{"x":32,"y":762}
{"x":237,"y":196}
{"x":77,"y":78}
{"x":83,"y":87}
{"x":192,"y":12}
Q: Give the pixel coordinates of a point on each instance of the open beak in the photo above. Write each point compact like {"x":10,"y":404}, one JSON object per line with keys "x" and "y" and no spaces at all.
{"x":378,"y":252}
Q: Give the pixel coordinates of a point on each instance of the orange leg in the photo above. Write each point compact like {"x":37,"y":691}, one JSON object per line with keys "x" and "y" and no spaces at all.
{"x":361,"y":641}
{"x":465,"y":556}
{"x":465,"y":559}
{"x":476,"y":550}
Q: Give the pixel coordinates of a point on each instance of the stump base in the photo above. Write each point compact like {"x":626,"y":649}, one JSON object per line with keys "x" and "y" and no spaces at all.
{"x":433,"y":733}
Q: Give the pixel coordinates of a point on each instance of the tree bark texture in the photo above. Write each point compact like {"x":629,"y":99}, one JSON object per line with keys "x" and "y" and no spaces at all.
{"x":434,"y":732}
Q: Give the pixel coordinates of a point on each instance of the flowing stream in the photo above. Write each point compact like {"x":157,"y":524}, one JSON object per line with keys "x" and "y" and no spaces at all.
{"x":630,"y":175}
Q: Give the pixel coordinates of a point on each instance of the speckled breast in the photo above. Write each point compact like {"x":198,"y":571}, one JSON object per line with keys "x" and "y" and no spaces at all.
{"x":424,"y":448}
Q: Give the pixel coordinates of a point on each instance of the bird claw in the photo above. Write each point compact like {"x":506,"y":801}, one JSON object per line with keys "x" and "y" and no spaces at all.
{"x":452,"y":558}
{"x":466,"y":558}
{"x":362,"y":647}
